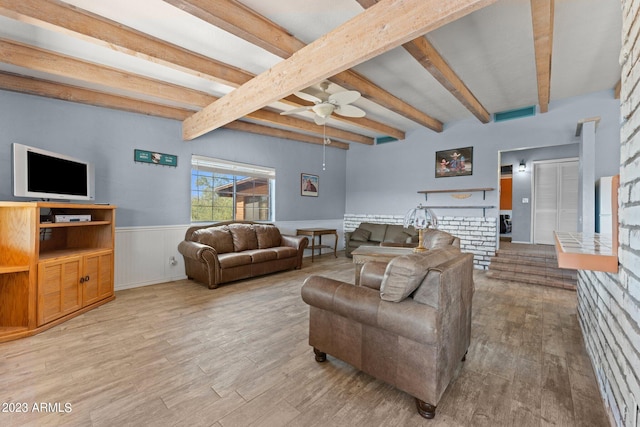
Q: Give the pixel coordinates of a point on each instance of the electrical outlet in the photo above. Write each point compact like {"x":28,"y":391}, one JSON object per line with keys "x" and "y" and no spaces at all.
{"x":525,"y":200}
{"x":173,"y":260}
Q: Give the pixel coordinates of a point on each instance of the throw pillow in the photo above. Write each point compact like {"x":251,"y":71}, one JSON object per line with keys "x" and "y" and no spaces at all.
{"x":268,"y":236}
{"x":360,"y":235}
{"x":403,"y":276}
{"x":219,"y":238}
{"x":244,"y":237}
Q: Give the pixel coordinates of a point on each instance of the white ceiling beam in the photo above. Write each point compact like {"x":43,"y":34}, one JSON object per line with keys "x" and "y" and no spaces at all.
{"x":378,"y":29}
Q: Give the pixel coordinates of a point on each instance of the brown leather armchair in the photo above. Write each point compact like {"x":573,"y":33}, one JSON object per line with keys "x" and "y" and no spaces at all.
{"x":407,"y":324}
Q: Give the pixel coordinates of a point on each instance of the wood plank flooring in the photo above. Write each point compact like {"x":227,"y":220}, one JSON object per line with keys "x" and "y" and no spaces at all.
{"x":179,"y":354}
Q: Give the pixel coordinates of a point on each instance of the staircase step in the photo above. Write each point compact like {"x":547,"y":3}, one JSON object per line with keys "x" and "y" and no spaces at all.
{"x":535,"y":270}
{"x":531,"y":265}
{"x":533,"y":279}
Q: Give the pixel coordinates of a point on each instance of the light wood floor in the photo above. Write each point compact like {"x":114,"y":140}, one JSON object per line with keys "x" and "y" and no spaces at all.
{"x":181,"y":354}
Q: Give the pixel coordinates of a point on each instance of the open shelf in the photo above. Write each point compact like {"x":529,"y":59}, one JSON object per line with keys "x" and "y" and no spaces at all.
{"x":50,"y":272}
{"x":72,"y":224}
{"x":5,"y":269}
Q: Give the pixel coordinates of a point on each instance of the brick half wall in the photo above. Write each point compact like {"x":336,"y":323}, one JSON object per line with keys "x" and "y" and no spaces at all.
{"x":477,"y":234}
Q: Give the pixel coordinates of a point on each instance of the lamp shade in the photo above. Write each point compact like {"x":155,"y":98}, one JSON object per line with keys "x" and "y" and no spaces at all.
{"x":420,"y":218}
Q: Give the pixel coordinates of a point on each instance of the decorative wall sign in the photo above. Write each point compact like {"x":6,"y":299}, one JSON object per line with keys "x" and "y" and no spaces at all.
{"x":309,"y":185}
{"x":144,"y":156}
{"x":456,"y":162}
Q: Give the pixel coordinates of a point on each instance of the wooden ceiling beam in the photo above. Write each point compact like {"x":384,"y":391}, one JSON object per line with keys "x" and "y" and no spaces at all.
{"x":65,"y":18}
{"x":49,"y":89}
{"x":266,"y":116}
{"x":243,"y":22}
{"x":42,"y":60}
{"x":64,"y":66}
{"x":55,"y":90}
{"x":378,"y":29}
{"x":427,"y":55}
{"x":354,"y":81}
{"x":282,"y":133}
{"x":362,"y":122}
{"x":542,"y":12}
{"x":62,"y":17}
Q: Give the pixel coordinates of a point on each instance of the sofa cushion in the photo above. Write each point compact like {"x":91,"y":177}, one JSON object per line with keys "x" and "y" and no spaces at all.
{"x":261,"y":255}
{"x":283,"y":252}
{"x":397,"y":234}
{"x":268,"y":236}
{"x":360,"y":235}
{"x":405,"y":273}
{"x":234,"y":259}
{"x":244,"y":237}
{"x":218,"y":238}
{"x":437,"y":239}
{"x":377,"y":231}
{"x":402,"y":276}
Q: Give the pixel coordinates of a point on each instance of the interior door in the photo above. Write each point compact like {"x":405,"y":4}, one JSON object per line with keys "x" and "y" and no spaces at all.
{"x":555,"y":199}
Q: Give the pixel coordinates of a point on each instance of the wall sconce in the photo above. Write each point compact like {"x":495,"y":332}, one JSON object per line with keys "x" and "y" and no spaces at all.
{"x":523,"y":166}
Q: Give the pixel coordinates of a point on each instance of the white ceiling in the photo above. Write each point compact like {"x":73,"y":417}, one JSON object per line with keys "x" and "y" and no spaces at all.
{"x":491,"y":50}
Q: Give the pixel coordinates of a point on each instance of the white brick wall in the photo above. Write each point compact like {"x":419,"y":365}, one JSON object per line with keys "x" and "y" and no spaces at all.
{"x":477,"y":235}
{"x":609,"y":304}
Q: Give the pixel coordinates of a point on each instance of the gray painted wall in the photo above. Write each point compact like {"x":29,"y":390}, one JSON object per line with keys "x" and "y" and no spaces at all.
{"x":148,"y":195}
{"x":385,"y":179}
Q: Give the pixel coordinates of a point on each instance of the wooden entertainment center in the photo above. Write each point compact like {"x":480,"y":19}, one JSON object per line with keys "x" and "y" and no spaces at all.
{"x":52,"y":271}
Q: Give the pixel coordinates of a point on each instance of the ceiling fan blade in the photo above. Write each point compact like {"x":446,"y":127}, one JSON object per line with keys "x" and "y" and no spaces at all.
{"x":295,"y":110}
{"x":307,"y":97}
{"x":346,"y":97}
{"x":349,"y":111}
{"x":320,"y":120}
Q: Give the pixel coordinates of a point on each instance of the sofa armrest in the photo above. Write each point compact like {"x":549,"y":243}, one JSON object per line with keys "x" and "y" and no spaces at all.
{"x":197,"y":251}
{"x":298,"y":242}
{"x":407,"y":318}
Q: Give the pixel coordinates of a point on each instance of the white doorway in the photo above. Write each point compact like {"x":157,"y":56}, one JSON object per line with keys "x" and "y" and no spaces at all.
{"x":555,"y":199}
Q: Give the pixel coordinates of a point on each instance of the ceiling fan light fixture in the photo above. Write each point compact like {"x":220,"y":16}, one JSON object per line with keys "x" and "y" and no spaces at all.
{"x":324,"y":109}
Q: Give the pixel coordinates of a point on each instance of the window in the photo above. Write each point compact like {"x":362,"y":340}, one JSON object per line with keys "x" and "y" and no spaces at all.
{"x":222,"y":191}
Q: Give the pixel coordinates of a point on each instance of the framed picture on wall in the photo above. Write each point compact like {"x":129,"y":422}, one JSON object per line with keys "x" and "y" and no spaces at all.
{"x":457,"y":162}
{"x":309,"y":185}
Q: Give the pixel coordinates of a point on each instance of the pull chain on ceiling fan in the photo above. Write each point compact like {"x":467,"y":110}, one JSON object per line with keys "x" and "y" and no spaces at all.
{"x":324,"y":104}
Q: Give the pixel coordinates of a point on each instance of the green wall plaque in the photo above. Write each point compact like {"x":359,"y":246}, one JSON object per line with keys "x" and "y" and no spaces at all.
{"x":144,"y":156}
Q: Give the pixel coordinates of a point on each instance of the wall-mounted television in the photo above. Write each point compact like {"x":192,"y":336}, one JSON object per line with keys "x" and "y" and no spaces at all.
{"x":44,"y":174}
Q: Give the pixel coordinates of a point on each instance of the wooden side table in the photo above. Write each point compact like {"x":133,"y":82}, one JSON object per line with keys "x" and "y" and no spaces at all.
{"x":312,"y":233}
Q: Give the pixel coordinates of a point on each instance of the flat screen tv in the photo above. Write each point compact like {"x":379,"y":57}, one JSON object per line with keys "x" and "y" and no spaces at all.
{"x":43,"y":174}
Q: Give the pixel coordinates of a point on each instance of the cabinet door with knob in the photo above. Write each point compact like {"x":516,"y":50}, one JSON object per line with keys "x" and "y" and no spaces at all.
{"x":70,"y":283}
{"x":59,"y":290}
{"x":96,"y":283}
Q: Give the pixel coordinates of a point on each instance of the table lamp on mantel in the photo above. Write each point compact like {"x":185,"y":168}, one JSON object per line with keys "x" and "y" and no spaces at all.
{"x":420,"y":217}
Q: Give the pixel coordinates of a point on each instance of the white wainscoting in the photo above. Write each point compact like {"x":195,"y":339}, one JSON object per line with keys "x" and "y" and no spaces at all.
{"x":144,"y":255}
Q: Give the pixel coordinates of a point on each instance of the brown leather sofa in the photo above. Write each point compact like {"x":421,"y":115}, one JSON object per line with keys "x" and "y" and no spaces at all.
{"x":234,"y":250}
{"x":371,"y":234}
{"x":407,"y":324}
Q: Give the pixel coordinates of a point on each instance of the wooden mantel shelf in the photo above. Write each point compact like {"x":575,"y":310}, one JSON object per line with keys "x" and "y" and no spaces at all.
{"x":458,"y":190}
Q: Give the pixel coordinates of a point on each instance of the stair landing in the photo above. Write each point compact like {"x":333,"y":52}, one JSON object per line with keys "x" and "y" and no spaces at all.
{"x":531,"y":264}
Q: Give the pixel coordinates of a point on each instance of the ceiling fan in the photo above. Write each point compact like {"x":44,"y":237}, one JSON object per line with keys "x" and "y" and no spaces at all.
{"x":325,"y":104}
